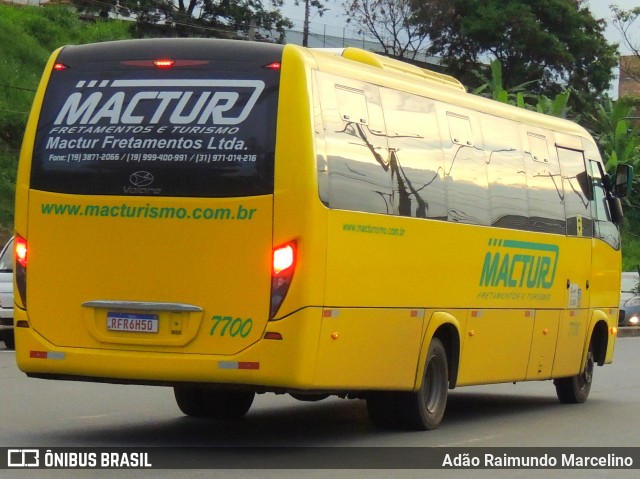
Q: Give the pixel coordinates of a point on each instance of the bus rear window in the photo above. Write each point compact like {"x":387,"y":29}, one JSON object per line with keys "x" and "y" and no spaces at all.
{"x":119,"y":128}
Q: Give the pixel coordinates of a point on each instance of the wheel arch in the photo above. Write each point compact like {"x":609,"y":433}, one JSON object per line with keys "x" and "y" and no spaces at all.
{"x":446,"y":328}
{"x":599,"y":338}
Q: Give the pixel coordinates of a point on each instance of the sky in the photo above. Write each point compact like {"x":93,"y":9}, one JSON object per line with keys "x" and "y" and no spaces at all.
{"x":600,"y":9}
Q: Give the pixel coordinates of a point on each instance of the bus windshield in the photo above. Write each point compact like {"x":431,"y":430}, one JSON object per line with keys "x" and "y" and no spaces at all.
{"x":198,"y":128}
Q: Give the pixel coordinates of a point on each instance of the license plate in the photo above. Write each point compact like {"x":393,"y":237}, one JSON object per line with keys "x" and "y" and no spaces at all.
{"x":133,"y":323}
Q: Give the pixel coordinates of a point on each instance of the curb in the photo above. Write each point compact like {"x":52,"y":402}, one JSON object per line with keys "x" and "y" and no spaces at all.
{"x":628,"y":332}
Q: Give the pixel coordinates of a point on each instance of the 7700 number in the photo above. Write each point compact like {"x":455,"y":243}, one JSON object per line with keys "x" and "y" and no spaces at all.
{"x":232,"y":326}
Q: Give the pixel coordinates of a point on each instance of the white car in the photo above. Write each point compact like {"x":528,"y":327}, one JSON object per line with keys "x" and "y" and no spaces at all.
{"x":6,"y":295}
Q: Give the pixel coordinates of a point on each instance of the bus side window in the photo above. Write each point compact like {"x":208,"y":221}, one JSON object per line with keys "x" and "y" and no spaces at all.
{"x":544,"y":187}
{"x":417,"y":169}
{"x":355,"y":142}
{"x":465,"y":168}
{"x":506,"y":173}
{"x":603,"y":225}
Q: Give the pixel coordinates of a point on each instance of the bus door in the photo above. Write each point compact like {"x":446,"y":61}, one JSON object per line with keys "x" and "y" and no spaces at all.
{"x":577,"y":263}
{"x":498,"y":336}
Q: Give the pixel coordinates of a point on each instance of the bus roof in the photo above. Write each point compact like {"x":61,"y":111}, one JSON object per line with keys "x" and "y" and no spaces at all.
{"x":192,"y":48}
{"x":383,"y":71}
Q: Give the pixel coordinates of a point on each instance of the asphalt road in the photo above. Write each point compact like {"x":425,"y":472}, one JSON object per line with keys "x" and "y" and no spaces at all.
{"x":40,"y":413}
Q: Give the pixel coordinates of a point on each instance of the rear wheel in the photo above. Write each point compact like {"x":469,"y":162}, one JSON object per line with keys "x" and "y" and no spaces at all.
{"x":382,"y":409}
{"x":422,"y":410}
{"x":575,"y":390}
{"x":308,"y":397}
{"x":198,"y":401}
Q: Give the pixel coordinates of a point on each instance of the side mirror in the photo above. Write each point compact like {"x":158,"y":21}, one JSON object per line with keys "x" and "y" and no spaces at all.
{"x":623,"y":181}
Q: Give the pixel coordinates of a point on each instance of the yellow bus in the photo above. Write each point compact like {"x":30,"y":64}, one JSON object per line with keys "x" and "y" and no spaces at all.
{"x":230,"y":218}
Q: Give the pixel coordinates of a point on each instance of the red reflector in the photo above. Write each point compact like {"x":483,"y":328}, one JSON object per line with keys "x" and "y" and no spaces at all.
{"x":60,"y":66}
{"x":21,"y":251}
{"x":283,"y":258}
{"x":274,"y":66}
{"x":38,"y":355}
{"x":271,"y":335}
{"x":163,"y":63}
{"x":248,"y":365}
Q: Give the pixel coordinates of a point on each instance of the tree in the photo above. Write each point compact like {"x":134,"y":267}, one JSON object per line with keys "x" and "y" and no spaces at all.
{"x":554,"y":43}
{"x":205,"y":18}
{"x":391,"y":22}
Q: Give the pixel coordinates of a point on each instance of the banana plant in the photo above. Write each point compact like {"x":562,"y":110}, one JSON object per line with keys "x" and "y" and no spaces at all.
{"x":618,"y":137}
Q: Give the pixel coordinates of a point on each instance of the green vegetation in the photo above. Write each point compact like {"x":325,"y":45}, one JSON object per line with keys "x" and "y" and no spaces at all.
{"x":546,"y":43}
{"x":28,"y":35}
{"x":631,"y":250}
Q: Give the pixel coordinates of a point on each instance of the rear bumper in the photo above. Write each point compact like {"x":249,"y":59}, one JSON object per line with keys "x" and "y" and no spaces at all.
{"x":269,"y":364}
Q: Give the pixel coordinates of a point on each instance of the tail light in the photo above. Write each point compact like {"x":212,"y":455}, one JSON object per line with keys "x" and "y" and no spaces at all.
{"x":21,"y":256}
{"x":163,"y":64}
{"x":284,"y":264}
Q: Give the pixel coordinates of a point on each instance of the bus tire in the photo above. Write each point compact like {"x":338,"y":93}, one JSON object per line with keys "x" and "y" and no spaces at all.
{"x":423,"y":410}
{"x":9,"y":340}
{"x":575,"y":389}
{"x":308,"y":397}
{"x":197,"y":401}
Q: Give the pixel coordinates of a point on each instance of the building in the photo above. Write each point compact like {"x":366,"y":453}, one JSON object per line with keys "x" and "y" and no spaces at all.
{"x":629,"y":81}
